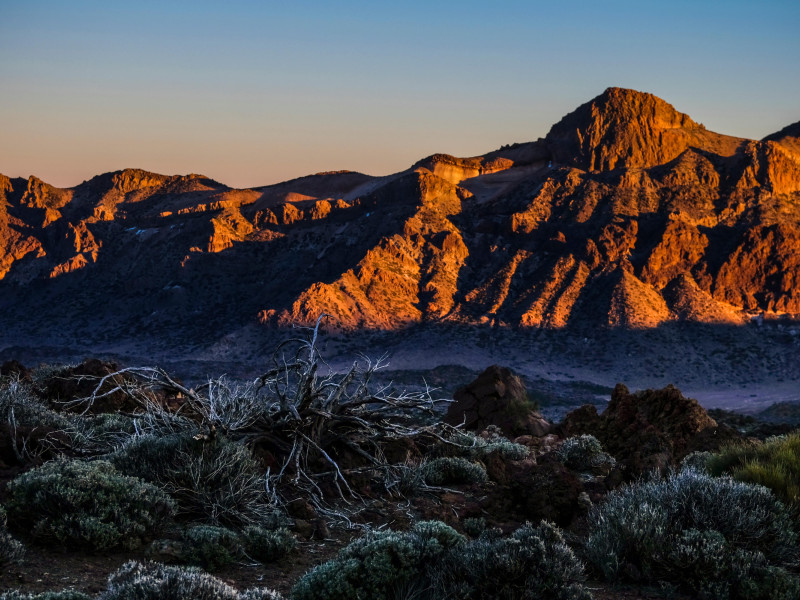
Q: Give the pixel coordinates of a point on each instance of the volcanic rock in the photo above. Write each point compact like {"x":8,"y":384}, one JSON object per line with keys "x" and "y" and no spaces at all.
{"x":497,"y":397}
{"x":649,"y":429}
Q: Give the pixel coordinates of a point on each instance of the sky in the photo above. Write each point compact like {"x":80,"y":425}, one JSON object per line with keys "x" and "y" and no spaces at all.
{"x":256,"y":92}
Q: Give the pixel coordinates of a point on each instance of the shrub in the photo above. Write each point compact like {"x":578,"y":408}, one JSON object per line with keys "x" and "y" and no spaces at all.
{"x":469,"y":445}
{"x":584,"y":454}
{"x":452,"y":470}
{"x":62,"y":595}
{"x":19,"y":406}
{"x":87,"y":503}
{"x":212,"y":548}
{"x":533,"y":562}
{"x":217,"y":482}
{"x":154,"y":581}
{"x":714,"y":537}
{"x":474,"y":526}
{"x":11,"y":551}
{"x":372,"y":567}
{"x":103,"y":433}
{"x":696,"y":460}
{"x":265,"y":545}
{"x":774,"y":464}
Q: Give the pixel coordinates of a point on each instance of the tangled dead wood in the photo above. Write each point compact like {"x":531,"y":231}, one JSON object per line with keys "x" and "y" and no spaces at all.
{"x":325,"y":435}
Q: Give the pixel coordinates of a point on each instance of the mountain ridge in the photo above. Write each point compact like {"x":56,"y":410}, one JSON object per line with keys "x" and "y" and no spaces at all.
{"x":628,"y":214}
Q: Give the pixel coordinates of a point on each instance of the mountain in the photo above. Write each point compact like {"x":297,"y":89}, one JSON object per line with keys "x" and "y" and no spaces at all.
{"x":627,"y":216}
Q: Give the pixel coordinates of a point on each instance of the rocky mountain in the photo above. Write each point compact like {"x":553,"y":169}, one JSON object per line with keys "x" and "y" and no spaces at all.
{"x":628,"y":215}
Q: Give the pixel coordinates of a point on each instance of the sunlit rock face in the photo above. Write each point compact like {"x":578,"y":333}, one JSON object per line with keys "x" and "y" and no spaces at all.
{"x":629,"y":214}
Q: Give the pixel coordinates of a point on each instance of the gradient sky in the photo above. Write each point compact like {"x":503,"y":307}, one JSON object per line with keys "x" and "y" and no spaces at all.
{"x":255,"y":92}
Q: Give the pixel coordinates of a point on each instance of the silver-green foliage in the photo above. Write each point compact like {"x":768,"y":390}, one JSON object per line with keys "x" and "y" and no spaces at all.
{"x":585,"y":454}
{"x":371,"y":567}
{"x":212,"y":548}
{"x":62,"y":595}
{"x":714,"y":537}
{"x":87,"y":504}
{"x":11,"y":551}
{"x":20,"y":406}
{"x":533,"y":563}
{"x":469,"y":445}
{"x":216,"y":481}
{"x":154,"y":581}
{"x":452,"y":470}
{"x":267,"y":545}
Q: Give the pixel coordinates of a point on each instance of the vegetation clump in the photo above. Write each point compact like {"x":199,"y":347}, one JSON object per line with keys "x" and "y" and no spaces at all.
{"x":88,"y":504}
{"x":212,"y":548}
{"x":377,"y":565}
{"x":533,"y":562}
{"x":585,"y":454}
{"x":774,"y":464}
{"x":452,"y":470}
{"x":11,"y":551}
{"x":62,"y":595}
{"x":267,"y":545}
{"x":214,"y":481}
{"x":716,"y":538}
{"x":467,"y":444}
{"x":154,"y":581}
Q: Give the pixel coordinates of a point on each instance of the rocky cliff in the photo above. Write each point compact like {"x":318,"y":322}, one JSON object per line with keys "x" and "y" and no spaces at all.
{"x":628,"y":214}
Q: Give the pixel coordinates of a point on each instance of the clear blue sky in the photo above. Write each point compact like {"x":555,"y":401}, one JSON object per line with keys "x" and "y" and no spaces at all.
{"x":252,"y":93}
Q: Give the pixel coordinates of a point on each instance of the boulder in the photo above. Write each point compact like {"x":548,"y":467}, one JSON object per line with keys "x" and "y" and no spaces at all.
{"x":649,"y":429}
{"x":497,"y":397}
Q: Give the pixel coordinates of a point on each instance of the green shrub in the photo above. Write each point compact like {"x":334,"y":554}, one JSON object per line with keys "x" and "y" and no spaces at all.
{"x":212,"y":548}
{"x":452,"y":470}
{"x":265,"y":545}
{"x":87,"y":503}
{"x":469,"y":445}
{"x":215,"y":482}
{"x":378,"y":564}
{"x":11,"y":551}
{"x":774,"y":464}
{"x":62,"y":595}
{"x":103,"y":433}
{"x":584,"y":454}
{"x":474,"y":526}
{"x":696,"y":460}
{"x":19,"y":407}
{"x":533,"y":562}
{"x":713,"y":537}
{"x":154,"y":581}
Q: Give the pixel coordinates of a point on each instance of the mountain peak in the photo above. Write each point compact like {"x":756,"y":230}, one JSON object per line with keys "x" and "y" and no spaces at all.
{"x":621,"y":128}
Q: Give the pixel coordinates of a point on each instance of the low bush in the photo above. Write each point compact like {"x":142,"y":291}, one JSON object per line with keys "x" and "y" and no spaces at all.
{"x":154,"y":581}
{"x":713,"y":537}
{"x":377,"y":565}
{"x":265,"y":545}
{"x":774,"y":464}
{"x":474,"y":526}
{"x":533,"y":562}
{"x":88,"y":504}
{"x":19,"y":406}
{"x":215,"y":482}
{"x":584,"y":454}
{"x":212,"y":548}
{"x":11,"y":551}
{"x":62,"y":595}
{"x":452,"y":470}
{"x":468,"y":445}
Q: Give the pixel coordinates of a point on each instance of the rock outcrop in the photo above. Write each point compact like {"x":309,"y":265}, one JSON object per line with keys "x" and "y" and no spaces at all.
{"x":497,"y":397}
{"x":649,"y":429}
{"x":628,"y":215}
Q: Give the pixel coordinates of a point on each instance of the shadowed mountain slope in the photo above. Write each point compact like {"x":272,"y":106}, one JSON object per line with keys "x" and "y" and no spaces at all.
{"x":628,"y":214}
